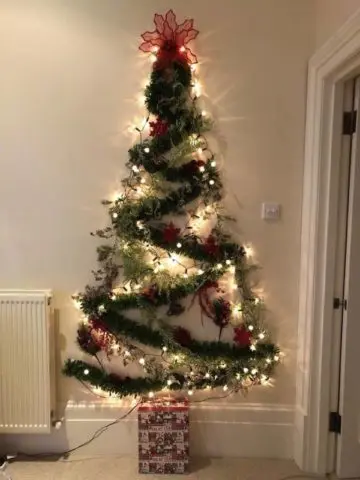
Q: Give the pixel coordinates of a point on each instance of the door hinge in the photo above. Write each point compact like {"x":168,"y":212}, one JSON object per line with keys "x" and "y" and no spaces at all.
{"x":335,"y":422}
{"x":339,"y":303}
{"x":349,"y":122}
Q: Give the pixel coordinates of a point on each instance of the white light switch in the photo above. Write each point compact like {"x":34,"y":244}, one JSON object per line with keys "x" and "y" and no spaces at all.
{"x":270,"y":211}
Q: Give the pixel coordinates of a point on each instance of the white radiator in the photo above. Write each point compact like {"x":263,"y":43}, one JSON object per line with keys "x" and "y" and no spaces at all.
{"x":25,"y":383}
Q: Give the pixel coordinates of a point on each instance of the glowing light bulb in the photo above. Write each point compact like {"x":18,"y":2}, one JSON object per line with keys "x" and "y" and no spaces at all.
{"x":223,"y":365}
{"x":207,"y":375}
{"x":113,"y":297}
{"x":143,"y":181}
{"x":211,"y":182}
{"x":193,"y":67}
{"x":245,"y":370}
{"x":204,"y":113}
{"x":190,"y":392}
{"x":179,"y":245}
{"x":115,"y":215}
{"x":261,"y":336}
{"x":127,"y":353}
{"x":142,"y":361}
{"x":202,"y":169}
{"x":153,"y":58}
{"x":252,"y":348}
{"x":254,"y":371}
{"x":182,"y":49}
{"x":176,"y":358}
{"x":228,"y":262}
{"x":249,"y":251}
{"x":225,"y":388}
{"x":200,"y":272}
{"x":219,"y":266}
{"x":169,"y":382}
{"x":147,"y":150}
{"x":276,"y":358}
{"x":101,"y":308}
{"x":125,"y":246}
{"x":235,"y":286}
{"x":151,"y":394}
{"x":197,"y":88}
{"x":135,"y":168}
{"x":186,"y":275}
{"x":213,"y":163}
{"x":250,"y":328}
{"x":268,"y":360}
{"x":139,"y":225}
{"x":86,"y":371}
{"x":232,"y":269}
{"x":155,"y":49}
{"x":238,"y":376}
{"x":165,"y":349}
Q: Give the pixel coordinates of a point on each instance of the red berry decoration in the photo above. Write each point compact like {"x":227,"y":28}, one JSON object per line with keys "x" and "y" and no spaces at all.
{"x":242,"y":336}
{"x":170,"y":233}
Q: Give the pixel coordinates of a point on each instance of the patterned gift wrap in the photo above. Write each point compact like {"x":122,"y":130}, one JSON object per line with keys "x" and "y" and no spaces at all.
{"x":164,"y":436}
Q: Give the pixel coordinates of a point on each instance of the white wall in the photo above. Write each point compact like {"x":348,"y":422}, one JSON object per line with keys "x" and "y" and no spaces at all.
{"x":70,"y":72}
{"x":330,"y":15}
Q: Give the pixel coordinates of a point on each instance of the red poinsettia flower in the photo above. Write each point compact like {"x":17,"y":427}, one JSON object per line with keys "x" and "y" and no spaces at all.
{"x":211,"y":247}
{"x":242,"y":336}
{"x":168,"y":35}
{"x":170,"y":233}
{"x":158,"y":128}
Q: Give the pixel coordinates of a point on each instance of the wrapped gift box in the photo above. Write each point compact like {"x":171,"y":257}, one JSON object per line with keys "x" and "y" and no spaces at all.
{"x":164,"y":436}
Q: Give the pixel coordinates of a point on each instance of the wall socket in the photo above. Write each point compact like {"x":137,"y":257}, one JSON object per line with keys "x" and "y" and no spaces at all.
{"x":270,"y":211}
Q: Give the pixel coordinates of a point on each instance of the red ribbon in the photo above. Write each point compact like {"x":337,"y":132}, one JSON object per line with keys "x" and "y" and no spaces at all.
{"x":203,"y":293}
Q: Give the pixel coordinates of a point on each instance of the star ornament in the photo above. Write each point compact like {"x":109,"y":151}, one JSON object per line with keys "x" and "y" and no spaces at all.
{"x":170,"y":36}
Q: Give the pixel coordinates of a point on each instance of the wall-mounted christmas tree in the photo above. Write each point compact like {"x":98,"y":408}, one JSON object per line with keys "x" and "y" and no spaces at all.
{"x":156,"y":254}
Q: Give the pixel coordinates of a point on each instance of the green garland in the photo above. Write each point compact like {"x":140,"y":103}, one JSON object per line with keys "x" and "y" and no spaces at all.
{"x":139,"y":222}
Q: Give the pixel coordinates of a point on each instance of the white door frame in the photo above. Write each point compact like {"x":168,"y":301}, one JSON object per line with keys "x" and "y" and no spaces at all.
{"x":335,"y":62}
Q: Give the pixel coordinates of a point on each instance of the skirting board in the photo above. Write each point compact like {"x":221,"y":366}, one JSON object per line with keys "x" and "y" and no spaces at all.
{"x":216,"y":430}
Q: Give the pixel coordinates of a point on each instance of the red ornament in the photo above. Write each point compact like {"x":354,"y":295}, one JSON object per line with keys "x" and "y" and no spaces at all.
{"x":170,"y":233}
{"x":158,"y":128}
{"x":169,"y":39}
{"x":242,"y":336}
{"x":211,"y":247}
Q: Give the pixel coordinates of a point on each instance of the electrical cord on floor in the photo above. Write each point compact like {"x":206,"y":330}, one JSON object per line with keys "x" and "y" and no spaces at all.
{"x":97,"y":434}
{"x":102,"y":430}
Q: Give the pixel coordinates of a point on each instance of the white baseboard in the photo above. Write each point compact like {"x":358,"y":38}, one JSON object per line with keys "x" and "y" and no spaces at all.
{"x":226,"y":430}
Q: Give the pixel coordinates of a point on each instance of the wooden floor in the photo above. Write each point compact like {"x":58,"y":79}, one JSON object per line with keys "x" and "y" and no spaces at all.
{"x":113,"y":468}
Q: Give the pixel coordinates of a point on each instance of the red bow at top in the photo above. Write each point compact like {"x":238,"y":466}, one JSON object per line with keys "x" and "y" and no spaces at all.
{"x":169,"y":37}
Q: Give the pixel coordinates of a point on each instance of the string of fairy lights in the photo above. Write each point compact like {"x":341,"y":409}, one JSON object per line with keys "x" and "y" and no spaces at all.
{"x":140,"y":184}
